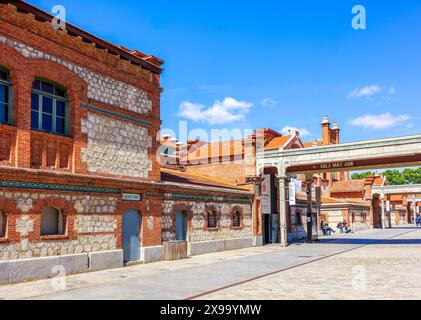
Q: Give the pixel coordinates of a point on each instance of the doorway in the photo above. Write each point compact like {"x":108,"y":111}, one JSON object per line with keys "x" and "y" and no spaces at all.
{"x":131,"y":236}
{"x":181,"y":226}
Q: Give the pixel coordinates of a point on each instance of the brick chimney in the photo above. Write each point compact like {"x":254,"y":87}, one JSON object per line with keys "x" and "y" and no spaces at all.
{"x":325,"y":131}
{"x":334,"y":133}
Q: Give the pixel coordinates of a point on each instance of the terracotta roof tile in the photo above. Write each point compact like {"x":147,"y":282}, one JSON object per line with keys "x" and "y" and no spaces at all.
{"x":170,"y":175}
{"x":277,"y":142}
{"x":310,"y":144}
{"x":217,"y":150}
{"x":348,"y":186}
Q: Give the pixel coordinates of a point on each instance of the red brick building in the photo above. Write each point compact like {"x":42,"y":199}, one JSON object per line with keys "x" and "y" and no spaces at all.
{"x":80,"y":182}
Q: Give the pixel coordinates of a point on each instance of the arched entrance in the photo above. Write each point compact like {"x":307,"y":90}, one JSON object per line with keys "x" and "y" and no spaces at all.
{"x":131,"y":235}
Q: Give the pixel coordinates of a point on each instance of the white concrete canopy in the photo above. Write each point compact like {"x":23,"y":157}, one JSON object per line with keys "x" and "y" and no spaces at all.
{"x":403,"y":189}
{"x":383,"y":153}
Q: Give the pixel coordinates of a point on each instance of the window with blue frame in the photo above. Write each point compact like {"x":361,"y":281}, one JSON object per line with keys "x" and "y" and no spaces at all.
{"x":5,"y":97}
{"x":49,"y":108}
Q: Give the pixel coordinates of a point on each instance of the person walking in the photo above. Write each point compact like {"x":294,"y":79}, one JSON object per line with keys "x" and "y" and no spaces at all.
{"x":418,"y":220}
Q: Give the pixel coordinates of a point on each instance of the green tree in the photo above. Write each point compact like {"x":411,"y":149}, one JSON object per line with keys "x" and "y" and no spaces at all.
{"x":362,"y":175}
{"x":395,"y":177}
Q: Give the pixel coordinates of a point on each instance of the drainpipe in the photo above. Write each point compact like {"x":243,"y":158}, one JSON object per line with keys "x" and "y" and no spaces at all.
{"x":253,"y":227}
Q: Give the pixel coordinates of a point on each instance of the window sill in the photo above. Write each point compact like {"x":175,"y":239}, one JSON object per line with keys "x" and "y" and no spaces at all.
{"x":212,"y":229}
{"x":4,"y":240}
{"x":55,"y":238}
{"x":53,"y":134}
{"x":237,"y":228}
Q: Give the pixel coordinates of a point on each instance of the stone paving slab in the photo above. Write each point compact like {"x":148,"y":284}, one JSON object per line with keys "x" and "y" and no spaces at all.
{"x":389,"y":270}
{"x":190,"y":277}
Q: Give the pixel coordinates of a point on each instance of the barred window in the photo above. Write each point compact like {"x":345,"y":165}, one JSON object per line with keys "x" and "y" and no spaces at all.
{"x":212,"y":220}
{"x":3,"y":225}
{"x":236,"y":219}
{"x":5,"y":97}
{"x":53,"y":222}
{"x":49,"y":108}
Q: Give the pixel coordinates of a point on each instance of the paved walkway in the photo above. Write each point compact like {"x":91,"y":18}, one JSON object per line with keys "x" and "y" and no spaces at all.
{"x":369,"y":264}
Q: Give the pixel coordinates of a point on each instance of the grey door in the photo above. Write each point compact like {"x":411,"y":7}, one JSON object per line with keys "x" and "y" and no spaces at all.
{"x":131,"y":235}
{"x":181,"y":226}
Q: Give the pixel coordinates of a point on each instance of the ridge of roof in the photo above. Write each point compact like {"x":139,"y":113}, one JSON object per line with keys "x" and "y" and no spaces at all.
{"x":150,"y":63}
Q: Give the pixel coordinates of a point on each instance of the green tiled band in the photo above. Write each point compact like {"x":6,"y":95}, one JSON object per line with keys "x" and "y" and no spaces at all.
{"x":56,"y":187}
{"x":118,"y":115}
{"x":204,"y":198}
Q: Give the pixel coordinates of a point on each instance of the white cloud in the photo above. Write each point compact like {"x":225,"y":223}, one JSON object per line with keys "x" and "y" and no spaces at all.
{"x":392,"y":91}
{"x":268,"y":103}
{"x":221,"y":112}
{"x":364,"y":92}
{"x":303,"y":131}
{"x":380,"y":121}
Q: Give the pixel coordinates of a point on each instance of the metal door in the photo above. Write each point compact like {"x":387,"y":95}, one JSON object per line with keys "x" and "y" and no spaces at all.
{"x":275,"y":228}
{"x":181,"y":226}
{"x":131,"y":235}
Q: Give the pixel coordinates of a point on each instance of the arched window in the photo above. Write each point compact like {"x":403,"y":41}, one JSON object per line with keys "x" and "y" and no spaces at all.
{"x":5,"y":97}
{"x":236,"y":219}
{"x":212,"y":219}
{"x":49,"y":108}
{"x":3,"y":225}
{"x":53,"y":222}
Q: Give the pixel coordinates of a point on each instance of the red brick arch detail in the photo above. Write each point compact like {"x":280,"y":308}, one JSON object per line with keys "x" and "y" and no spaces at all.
{"x":8,"y":206}
{"x":76,"y":88}
{"x":218,"y":217}
{"x":184,"y":207}
{"x":65,"y":207}
{"x":240,"y":210}
{"x":122,"y":207}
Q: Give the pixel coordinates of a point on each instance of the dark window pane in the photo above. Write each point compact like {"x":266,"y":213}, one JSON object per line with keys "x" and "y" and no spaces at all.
{"x":4,"y":103}
{"x":34,"y":120}
{"x":60,"y":92}
{"x":34,"y":101}
{"x":61,"y":108}
{"x":47,"y":105}
{"x":47,"y":122}
{"x":211,"y":220}
{"x":4,"y":94}
{"x":3,"y":117}
{"x":60,"y":125}
{"x":36,"y":85}
{"x":4,"y":75}
{"x":47,"y":87}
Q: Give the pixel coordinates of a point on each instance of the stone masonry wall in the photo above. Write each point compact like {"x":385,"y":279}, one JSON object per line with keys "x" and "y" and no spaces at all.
{"x":116,"y":147}
{"x":93,"y":228}
{"x":101,"y":88}
{"x":82,"y":203}
{"x":197,"y":224}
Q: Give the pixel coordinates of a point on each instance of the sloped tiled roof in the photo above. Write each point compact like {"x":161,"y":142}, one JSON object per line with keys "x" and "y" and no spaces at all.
{"x":278,"y":142}
{"x":217,"y":150}
{"x":311,"y":144}
{"x":176,"y":176}
{"x":330,"y":200}
{"x":348,"y":186}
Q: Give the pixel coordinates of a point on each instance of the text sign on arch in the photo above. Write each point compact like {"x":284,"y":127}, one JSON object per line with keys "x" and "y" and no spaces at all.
{"x":336,"y":165}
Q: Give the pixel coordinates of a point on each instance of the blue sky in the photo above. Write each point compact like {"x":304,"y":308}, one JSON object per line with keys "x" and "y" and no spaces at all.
{"x":279,"y":63}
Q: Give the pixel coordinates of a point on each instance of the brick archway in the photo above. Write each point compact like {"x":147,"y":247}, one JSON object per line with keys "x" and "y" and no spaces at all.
{"x":187,"y":209}
{"x":66,"y":208}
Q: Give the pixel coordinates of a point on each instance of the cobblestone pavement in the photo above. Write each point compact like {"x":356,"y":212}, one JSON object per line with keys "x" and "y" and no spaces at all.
{"x":333,"y":269}
{"x":389,"y":270}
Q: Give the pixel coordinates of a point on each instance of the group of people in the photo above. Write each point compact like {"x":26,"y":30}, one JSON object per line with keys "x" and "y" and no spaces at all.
{"x":342,"y":227}
{"x":418,"y":220}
